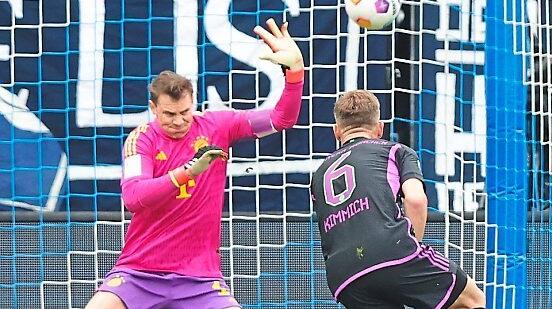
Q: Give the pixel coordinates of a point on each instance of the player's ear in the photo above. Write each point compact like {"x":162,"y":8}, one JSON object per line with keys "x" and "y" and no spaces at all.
{"x":380,"y":129}
{"x":152,"y":106}
{"x":337,"y":132}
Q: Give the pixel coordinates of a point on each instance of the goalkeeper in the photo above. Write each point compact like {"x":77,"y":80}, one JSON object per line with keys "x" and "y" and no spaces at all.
{"x":174,"y":175}
{"x":371,"y":247}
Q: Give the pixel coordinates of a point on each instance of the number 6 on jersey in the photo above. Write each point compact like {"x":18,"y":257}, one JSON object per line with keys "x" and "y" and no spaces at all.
{"x":334,"y":177}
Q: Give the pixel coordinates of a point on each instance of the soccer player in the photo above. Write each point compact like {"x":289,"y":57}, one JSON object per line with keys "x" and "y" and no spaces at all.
{"x":372,"y":248}
{"x":174,"y":174}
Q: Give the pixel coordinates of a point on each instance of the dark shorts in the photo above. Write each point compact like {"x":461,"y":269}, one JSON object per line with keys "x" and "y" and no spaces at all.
{"x":154,"y":290}
{"x":428,"y":281}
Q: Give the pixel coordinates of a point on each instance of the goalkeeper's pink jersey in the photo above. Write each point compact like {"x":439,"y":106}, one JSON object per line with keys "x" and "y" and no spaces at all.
{"x":177,"y":229}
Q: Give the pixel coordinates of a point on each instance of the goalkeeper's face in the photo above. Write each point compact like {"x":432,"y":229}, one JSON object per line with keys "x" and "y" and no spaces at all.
{"x":174,"y":116}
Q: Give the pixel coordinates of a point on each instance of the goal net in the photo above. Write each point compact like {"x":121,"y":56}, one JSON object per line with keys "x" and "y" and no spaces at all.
{"x":463,"y":82}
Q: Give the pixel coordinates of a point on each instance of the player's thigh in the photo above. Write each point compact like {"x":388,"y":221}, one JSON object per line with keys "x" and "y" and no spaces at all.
{"x":105,"y":300}
{"x":137,"y":289}
{"x":471,"y":297}
{"x":368,"y":291}
{"x":429,"y":280}
{"x":366,"y":301}
{"x":193,"y":292}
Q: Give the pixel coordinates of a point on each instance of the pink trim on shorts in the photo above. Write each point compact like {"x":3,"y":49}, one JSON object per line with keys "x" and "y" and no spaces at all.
{"x":447,"y":296}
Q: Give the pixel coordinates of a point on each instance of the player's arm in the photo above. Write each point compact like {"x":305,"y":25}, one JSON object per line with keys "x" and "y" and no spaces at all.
{"x":415,"y":205}
{"x":413,"y":190}
{"x":284,"y":52}
{"x":141,"y":190}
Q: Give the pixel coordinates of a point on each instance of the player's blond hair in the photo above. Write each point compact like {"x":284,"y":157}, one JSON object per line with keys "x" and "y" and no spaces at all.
{"x":171,"y":84}
{"x":357,"y":108}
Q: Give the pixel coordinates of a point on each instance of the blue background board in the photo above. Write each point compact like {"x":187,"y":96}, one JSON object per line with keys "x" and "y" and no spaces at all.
{"x":139,"y":43}
{"x":36,"y":158}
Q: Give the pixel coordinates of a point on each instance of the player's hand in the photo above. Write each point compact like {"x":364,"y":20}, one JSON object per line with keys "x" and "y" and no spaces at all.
{"x":285,"y":51}
{"x":203,"y":158}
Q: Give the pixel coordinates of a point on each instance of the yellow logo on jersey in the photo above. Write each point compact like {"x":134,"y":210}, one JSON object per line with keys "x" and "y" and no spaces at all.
{"x":200,"y":141}
{"x":115,"y":281}
{"x":184,"y":189}
{"x":161,"y":156}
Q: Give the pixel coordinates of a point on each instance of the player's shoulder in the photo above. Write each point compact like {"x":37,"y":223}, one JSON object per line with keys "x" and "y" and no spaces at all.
{"x":218,"y":117}
{"x":140,"y":134}
{"x":403,"y":154}
{"x":217,"y":113}
{"x":143,"y":128}
{"x":402,"y":148}
{"x":212,"y":115}
{"x":390,"y":145}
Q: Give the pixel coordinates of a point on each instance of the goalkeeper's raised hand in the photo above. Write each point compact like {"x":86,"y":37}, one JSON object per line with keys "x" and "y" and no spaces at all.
{"x":285,"y":51}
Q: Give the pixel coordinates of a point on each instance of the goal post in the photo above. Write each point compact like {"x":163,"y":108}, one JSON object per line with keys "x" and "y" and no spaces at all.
{"x":507,"y":148}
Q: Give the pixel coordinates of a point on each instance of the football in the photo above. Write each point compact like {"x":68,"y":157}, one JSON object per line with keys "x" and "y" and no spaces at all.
{"x":372,"y":14}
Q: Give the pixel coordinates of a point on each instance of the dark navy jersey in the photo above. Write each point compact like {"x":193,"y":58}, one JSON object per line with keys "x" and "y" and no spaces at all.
{"x":355,"y":194}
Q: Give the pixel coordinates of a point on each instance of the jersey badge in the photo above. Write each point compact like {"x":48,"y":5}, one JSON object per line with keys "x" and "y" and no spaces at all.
{"x":161,"y":156}
{"x":199,"y":142}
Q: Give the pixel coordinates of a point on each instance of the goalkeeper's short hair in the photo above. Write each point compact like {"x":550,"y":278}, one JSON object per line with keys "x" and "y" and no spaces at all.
{"x":171,"y":84}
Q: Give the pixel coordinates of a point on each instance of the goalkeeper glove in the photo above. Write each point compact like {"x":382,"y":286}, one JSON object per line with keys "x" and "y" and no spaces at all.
{"x":203,"y":158}
{"x":285,"y":51}
{"x":200,"y":163}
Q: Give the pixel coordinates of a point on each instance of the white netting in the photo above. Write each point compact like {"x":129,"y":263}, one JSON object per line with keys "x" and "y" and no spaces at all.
{"x":87,"y":88}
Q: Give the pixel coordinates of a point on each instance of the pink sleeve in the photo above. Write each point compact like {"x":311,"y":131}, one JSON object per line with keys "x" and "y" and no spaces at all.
{"x":285,"y":113}
{"x":259,"y":123}
{"x":138,"y":187}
